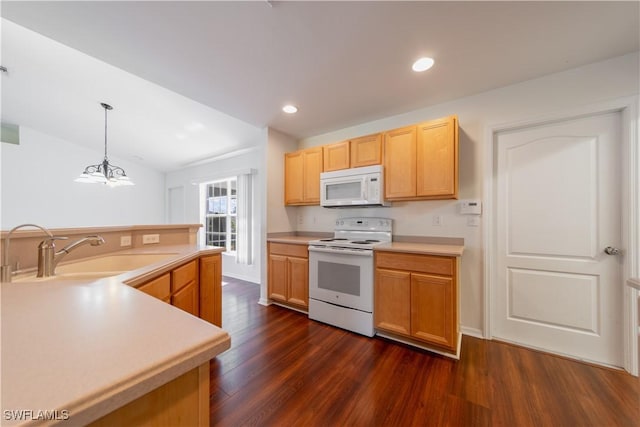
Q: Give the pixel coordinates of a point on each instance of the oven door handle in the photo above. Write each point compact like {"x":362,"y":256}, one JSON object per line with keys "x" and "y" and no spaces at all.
{"x":350,"y":251}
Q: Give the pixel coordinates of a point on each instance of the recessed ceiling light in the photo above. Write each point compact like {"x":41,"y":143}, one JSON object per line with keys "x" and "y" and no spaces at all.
{"x":290,"y":109}
{"x":422,"y":64}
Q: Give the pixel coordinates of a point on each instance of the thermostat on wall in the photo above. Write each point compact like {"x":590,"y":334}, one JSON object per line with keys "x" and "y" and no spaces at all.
{"x":470,"y":207}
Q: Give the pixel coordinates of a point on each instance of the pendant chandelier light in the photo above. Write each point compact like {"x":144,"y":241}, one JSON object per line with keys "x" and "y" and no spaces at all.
{"x":104,"y":173}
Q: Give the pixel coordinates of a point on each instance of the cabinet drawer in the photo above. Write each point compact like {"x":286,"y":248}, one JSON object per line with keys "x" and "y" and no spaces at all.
{"x":299,"y":251}
{"x":432,"y":264}
{"x":159,"y":287}
{"x":183,"y":275}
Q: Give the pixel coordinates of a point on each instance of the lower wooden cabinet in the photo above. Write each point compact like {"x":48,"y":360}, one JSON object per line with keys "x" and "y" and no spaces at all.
{"x":195,"y":287}
{"x":288,"y":278}
{"x":183,"y":401}
{"x":211,"y":289}
{"x":416,"y":297}
{"x":159,"y":287}
{"x":187,"y":299}
{"x":393,"y":301}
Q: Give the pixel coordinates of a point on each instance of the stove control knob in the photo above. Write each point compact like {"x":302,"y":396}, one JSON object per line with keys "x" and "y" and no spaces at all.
{"x":341,"y":222}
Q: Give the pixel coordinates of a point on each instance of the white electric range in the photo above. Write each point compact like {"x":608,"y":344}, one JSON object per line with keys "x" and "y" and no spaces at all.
{"x":341,"y":273}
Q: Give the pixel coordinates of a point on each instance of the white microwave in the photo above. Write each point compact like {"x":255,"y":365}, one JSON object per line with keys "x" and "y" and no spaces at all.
{"x":357,"y":187}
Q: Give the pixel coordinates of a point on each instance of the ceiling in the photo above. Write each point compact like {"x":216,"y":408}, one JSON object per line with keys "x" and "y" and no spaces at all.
{"x":193,"y":80}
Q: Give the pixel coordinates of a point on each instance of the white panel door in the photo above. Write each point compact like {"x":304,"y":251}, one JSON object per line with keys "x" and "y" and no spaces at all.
{"x":558,"y":207}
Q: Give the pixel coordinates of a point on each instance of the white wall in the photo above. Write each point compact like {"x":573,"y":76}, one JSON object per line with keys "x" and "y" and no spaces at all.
{"x":38,"y":187}
{"x":185,"y":183}
{"x":280,"y":218}
{"x":559,"y":92}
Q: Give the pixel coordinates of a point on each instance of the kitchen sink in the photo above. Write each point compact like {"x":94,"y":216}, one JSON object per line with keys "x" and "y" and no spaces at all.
{"x":98,"y":268}
{"x":116,"y":263}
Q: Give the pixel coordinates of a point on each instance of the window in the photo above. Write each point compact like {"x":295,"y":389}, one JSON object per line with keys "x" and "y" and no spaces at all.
{"x":221,"y":214}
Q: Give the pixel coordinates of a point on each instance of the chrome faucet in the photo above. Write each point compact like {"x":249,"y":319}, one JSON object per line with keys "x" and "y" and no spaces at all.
{"x":6,"y":269}
{"x":48,"y":258}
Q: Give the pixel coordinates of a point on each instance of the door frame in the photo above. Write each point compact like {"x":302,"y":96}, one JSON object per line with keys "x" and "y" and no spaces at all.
{"x":630,"y":205}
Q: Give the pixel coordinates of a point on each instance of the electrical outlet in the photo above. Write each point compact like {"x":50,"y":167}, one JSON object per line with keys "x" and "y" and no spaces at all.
{"x":473,"y":221}
{"x":436,"y":220}
{"x":300,"y":219}
{"x":125,"y":240}
{"x":148,"y":239}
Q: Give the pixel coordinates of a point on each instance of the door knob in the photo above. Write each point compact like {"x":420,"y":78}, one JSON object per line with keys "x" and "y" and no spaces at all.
{"x":610,"y":250}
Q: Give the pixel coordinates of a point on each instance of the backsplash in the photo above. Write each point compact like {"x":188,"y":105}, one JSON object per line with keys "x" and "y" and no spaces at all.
{"x":23,"y":248}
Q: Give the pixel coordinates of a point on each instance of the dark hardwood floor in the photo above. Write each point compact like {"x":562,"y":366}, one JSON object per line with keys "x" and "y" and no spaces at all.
{"x":285,"y":370}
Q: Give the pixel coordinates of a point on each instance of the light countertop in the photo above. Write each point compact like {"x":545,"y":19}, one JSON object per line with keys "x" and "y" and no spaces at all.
{"x":422,"y":248}
{"x":89,"y":347}
{"x":295,"y":240}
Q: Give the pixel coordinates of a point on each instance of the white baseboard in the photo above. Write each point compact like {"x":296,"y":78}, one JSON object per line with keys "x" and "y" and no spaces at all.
{"x":264,"y":301}
{"x":240,"y":277}
{"x":473,"y":332}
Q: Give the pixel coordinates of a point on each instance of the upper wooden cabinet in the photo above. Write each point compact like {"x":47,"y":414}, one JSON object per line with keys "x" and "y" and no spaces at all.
{"x":336,"y":156}
{"x":400,"y":163}
{"x":437,"y":155}
{"x":302,"y":177}
{"x":354,"y":153}
{"x":421,"y":162}
{"x":366,"y":151}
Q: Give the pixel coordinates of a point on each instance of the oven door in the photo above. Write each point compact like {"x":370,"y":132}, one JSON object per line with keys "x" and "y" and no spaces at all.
{"x":342,"y":277}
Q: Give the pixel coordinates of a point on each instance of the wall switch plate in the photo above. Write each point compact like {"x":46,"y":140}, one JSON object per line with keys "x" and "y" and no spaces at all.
{"x":125,"y":240}
{"x":436,"y":220}
{"x":473,"y":221}
{"x":148,"y":239}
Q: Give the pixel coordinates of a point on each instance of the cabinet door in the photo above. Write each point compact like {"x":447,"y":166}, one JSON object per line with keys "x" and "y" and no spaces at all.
{"x":400,"y":163}
{"x":211,"y":289}
{"x":433,"y":316}
{"x":293,"y":178}
{"x":187,"y":298}
{"x":298,"y":281}
{"x":278,"y":277}
{"x":184,"y":275}
{"x":312,"y":169}
{"x":335,"y":156}
{"x":437,"y":158}
{"x":366,"y":151}
{"x":159,"y":287}
{"x":393,"y":301}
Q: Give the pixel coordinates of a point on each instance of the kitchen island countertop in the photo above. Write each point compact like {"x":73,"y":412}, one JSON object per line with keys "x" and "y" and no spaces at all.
{"x":85,"y":348}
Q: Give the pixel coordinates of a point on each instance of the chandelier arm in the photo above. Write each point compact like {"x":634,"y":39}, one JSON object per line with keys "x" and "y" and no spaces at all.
{"x":113,"y":175}
{"x":105,"y":133}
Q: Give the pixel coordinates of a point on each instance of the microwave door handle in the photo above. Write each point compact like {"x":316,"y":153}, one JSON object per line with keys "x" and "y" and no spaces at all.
{"x":364,"y":187}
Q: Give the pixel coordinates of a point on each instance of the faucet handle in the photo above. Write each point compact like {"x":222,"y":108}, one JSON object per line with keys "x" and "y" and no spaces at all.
{"x":49,"y":241}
